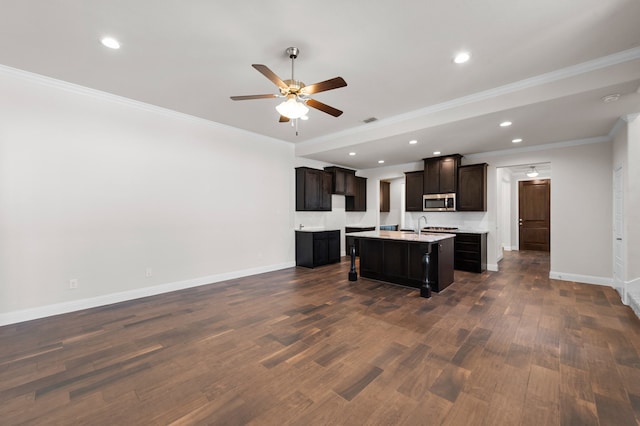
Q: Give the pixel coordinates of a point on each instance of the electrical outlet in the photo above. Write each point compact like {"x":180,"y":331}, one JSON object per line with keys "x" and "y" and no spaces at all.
{"x":73,"y":283}
{"x":149,"y":272}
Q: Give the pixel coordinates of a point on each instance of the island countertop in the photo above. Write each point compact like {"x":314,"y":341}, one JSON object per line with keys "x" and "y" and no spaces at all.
{"x":403,"y":236}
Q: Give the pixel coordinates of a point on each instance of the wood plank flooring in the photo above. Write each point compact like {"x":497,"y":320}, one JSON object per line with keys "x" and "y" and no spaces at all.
{"x":308,"y":347}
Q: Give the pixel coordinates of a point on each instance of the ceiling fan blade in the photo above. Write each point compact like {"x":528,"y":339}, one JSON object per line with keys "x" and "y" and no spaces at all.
{"x":247,"y":97}
{"x":283,"y":119}
{"x":264,"y":70}
{"x":323,"y":86}
{"x":324,"y":107}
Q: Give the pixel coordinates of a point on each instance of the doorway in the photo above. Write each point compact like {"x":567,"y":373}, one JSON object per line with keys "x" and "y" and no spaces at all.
{"x":534,"y":214}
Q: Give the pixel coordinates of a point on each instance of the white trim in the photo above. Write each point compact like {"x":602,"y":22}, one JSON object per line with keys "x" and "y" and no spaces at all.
{"x":586,"y":279}
{"x":108,"y":299}
{"x":492,"y":267}
{"x":539,"y":80}
{"x":545,"y":147}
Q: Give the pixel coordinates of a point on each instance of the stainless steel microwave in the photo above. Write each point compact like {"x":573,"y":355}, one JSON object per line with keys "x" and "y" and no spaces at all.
{"x":439,"y":203}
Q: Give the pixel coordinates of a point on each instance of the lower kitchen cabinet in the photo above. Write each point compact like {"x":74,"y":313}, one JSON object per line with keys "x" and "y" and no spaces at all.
{"x":317,"y":248}
{"x":353,"y":239}
{"x":470,"y":252}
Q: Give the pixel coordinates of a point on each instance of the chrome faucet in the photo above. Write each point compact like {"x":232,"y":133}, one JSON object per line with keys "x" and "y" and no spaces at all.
{"x":425,"y":224}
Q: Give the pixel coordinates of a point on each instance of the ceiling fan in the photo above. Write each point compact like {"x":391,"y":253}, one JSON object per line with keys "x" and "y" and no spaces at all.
{"x":297,"y":94}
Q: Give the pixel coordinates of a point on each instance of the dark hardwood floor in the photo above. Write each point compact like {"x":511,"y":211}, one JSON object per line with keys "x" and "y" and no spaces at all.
{"x":309,"y":347}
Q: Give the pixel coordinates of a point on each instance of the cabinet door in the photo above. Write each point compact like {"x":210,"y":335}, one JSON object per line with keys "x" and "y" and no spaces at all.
{"x":339,"y":182}
{"x":361,"y":194}
{"x":320,"y":249}
{"x":357,"y":202}
{"x":350,"y":184}
{"x":448,"y":175}
{"x":333,"y":242}
{"x":431,"y":176}
{"x":313,"y":190}
{"x":385,"y":196}
{"x":325,"y":193}
{"x":472,"y":188}
{"x":413,"y":191}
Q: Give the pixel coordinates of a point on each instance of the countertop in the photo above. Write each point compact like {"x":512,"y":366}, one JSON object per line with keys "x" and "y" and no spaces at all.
{"x":404,"y":236}
{"x":457,"y":231}
{"x":312,"y":229}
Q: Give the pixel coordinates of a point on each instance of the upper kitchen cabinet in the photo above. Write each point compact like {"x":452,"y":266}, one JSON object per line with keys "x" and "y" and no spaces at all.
{"x":441,"y":174}
{"x":343,"y":180}
{"x":358,"y":201}
{"x":313,"y":189}
{"x":385,"y":196}
{"x":472,"y":188}
{"x":413,"y":191}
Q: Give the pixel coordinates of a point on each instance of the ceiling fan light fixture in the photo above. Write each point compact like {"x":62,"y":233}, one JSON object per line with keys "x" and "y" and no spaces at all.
{"x":532,"y":172}
{"x":291,"y":108}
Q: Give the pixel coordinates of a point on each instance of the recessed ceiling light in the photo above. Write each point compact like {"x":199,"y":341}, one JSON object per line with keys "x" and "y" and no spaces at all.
{"x":110,"y":42}
{"x":380,"y":161}
{"x":352,"y":154}
{"x":413,"y":142}
{"x":611,"y":98}
{"x":517,"y":140}
{"x":436,"y":152}
{"x":506,"y":124}
{"x":461,"y":57}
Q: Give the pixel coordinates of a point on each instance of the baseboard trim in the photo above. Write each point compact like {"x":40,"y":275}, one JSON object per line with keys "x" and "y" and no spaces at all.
{"x":108,"y":299}
{"x":492,"y":267}
{"x":586,"y":279}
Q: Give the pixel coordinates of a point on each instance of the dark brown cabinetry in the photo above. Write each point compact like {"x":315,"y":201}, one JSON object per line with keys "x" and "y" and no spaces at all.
{"x":353,"y":239}
{"x":385,"y":196}
{"x":358,"y":201}
{"x":470,"y":252}
{"x":313,"y":189}
{"x":343,"y":180}
{"x":400,"y":262}
{"x":317,"y":248}
{"x":413,"y":191}
{"x":441,"y":174}
{"x":472,"y":188}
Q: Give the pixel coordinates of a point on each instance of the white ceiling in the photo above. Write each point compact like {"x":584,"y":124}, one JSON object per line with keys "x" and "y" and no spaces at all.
{"x":543,"y":65}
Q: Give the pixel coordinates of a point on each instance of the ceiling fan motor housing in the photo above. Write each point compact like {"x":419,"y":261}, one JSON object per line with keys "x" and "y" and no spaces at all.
{"x":293,"y":52}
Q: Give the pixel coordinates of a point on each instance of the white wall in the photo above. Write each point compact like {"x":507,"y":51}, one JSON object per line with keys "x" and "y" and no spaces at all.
{"x":632,"y":199}
{"x":580,"y":222}
{"x":98,"y":188}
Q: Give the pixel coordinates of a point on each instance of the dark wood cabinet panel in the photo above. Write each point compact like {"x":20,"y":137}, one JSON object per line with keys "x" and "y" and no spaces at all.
{"x":400,"y":262}
{"x":317,"y":248}
{"x":343,"y":182}
{"x":470,"y":252}
{"x":313,"y":189}
{"x":358,"y":201}
{"x":413,"y":191}
{"x":385,"y":196}
{"x":371,"y":259}
{"x":441,"y":174}
{"x":472,"y":188}
{"x":353,"y":239}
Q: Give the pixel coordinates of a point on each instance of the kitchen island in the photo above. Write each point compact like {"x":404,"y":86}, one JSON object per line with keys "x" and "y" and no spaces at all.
{"x":399,"y":258}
